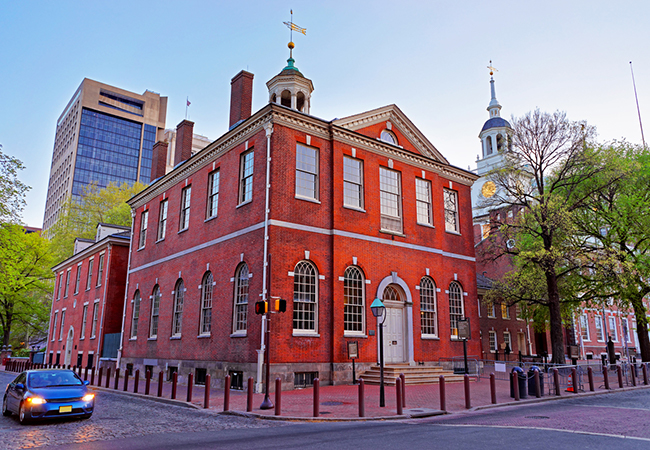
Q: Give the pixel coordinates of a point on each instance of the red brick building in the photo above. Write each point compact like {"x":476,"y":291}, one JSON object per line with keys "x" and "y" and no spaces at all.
{"x":344,"y":211}
{"x":88,"y":300}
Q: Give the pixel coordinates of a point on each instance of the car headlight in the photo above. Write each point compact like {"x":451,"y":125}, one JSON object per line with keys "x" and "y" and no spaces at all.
{"x":36,"y":400}
{"x":88,"y":397}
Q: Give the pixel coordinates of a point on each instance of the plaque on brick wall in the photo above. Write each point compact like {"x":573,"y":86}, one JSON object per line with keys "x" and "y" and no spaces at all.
{"x":353,"y":350}
{"x":463,"y":329}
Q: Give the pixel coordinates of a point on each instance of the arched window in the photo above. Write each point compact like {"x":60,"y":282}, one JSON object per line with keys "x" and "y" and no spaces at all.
{"x":428,"y":310}
{"x":285,"y":99}
{"x":354,"y":297}
{"x":456,"y":307}
{"x":488,"y":142}
{"x":206,"y":304}
{"x":136,"y":314}
{"x":241,"y":299}
{"x":305,"y":297}
{"x":391,"y":294}
{"x":388,"y":136}
{"x":155,"y":307}
{"x":300,"y":101}
{"x":499,"y":142}
{"x":179,"y":295}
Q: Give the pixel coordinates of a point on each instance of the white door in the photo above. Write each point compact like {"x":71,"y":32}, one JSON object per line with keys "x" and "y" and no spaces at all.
{"x":394,"y":336}
{"x":68,"y":347}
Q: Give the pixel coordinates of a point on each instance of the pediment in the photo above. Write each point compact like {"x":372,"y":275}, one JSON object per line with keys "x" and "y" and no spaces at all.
{"x":372,"y":122}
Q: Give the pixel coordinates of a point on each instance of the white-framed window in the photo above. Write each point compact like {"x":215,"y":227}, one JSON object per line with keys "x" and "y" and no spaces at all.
{"x":451,"y":210}
{"x":213,"y":193}
{"x":62,"y":325}
{"x":77,"y":279}
{"x":162,"y":220}
{"x":179,"y":296}
{"x":136,"y":314}
{"x":93,"y":330}
{"x":519,"y":312}
{"x":54,"y":325}
{"x":354,"y":294}
{"x":423,"y":201}
{"x":505,"y":311}
{"x":184,"y":221}
{"x":612,"y":328}
{"x":155,"y":311}
{"x":584,"y":327}
{"x":491,"y":311}
{"x":626,"y":328}
{"x":428,"y":307}
{"x":507,"y":340}
{"x":388,"y":136}
{"x":90,"y":273}
{"x":306,"y":172}
{"x":390,"y":192}
{"x":58,"y":294}
{"x":456,"y":307}
{"x":240,"y":319}
{"x":353,"y":182}
{"x":100,"y":270}
{"x":67,"y":283}
{"x":206,"y":304}
{"x":84,"y":319}
{"x":493,"y":341}
{"x":144,"y":219}
{"x":246,"y":177}
{"x":305,"y":297}
{"x":598,"y":321}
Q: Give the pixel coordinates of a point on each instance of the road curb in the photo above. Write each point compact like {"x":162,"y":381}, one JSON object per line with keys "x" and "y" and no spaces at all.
{"x":148,"y":397}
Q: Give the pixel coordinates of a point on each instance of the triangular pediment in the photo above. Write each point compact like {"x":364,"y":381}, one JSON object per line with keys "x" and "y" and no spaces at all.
{"x":369,"y":122}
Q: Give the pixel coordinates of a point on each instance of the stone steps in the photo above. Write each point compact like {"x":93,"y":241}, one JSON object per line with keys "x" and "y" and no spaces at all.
{"x":412,"y":374}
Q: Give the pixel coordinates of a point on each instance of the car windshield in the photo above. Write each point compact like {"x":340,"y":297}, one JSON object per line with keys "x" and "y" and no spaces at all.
{"x":54,"y":378}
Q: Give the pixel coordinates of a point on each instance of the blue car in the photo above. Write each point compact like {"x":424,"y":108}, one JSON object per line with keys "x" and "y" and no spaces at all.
{"x":48,"y":394}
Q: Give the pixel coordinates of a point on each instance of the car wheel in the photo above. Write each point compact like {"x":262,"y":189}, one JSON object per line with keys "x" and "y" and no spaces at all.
{"x":5,"y":411}
{"x":22,"y":415}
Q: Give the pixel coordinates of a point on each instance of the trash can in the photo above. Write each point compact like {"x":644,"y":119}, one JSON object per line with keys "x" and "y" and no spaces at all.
{"x":521,"y":380}
{"x":531,"y":381}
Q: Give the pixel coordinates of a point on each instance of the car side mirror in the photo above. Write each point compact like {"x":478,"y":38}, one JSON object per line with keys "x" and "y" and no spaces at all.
{"x":86,"y":383}
{"x":20,"y":387}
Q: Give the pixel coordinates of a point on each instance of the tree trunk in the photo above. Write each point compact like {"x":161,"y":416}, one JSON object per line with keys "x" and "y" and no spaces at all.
{"x":555,"y":316}
{"x":641,"y":327}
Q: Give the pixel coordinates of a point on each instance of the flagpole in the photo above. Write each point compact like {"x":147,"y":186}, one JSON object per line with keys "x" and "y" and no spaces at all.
{"x":637,"y":105}
{"x":187,"y":103}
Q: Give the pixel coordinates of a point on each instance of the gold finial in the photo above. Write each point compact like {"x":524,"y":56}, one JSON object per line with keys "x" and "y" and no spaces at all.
{"x":291,"y":45}
{"x":492,"y":68}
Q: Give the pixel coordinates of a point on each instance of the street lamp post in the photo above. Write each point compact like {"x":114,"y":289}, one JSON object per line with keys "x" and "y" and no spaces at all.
{"x":379,"y":310}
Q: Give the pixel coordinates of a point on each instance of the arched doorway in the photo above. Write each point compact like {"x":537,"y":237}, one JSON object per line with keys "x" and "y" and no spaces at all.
{"x":394,"y":327}
{"x":68,"y":347}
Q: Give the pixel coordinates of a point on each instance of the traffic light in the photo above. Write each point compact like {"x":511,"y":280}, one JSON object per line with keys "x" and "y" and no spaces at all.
{"x":280,"y":305}
{"x":261,"y":307}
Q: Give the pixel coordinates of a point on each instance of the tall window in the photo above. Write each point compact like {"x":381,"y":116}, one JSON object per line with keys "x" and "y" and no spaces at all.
{"x":58,"y":294}
{"x":491,"y":309}
{"x":352,"y":182}
{"x":506,"y":340}
{"x":136,"y":314}
{"x":451,"y":210}
{"x":84,"y":319}
{"x":184,"y":221}
{"x":305,"y":297}
{"x":306,"y":172}
{"x":456,"y":307}
{"x":241,"y":299}
{"x":144,"y":219}
{"x":206,"y":303}
{"x":179,"y":295}
{"x":493,"y":341}
{"x":505,"y":311}
{"x":90,"y":273}
{"x":100,"y":270}
{"x":67,"y":283}
{"x":62,"y":325}
{"x":54,"y":325}
{"x":162,"y":220}
{"x":95,"y":314}
{"x":391,"y":200}
{"x":213,"y":194}
{"x":354,"y":296}
{"x":423,"y":200}
{"x":598,"y":321}
{"x":612,"y":328}
{"x":77,"y":279}
{"x":428,"y":316}
{"x":584,"y":327}
{"x":246,"y":177}
{"x":626,"y":329}
{"x":155,"y":305}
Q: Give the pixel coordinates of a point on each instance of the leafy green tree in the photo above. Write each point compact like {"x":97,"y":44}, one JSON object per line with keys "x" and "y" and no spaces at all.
{"x":12,"y":190}
{"x":25,"y":271}
{"x":79,"y":219}
{"x":546,"y":162}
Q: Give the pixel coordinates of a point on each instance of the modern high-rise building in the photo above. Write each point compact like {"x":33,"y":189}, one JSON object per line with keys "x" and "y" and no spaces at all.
{"x":105,"y":134}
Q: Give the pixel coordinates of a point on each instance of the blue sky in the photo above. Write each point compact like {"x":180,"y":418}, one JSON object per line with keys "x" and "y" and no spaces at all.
{"x":429,"y":58}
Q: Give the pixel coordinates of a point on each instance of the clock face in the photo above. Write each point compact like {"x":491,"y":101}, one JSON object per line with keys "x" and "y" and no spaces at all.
{"x":488,"y":189}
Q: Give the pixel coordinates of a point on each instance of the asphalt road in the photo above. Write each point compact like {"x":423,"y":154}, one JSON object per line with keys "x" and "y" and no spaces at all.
{"x":618,"y":420}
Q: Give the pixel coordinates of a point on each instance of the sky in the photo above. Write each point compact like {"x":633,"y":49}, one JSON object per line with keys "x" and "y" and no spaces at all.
{"x":429,"y":58}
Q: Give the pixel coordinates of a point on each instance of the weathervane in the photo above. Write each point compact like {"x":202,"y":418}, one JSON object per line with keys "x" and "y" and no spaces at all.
{"x":492,"y":68}
{"x":292,"y":26}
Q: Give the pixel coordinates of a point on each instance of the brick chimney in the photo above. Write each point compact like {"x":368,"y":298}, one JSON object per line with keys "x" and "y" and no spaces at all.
{"x":241,"y":97}
{"x":184,"y":135}
{"x":159,"y":160}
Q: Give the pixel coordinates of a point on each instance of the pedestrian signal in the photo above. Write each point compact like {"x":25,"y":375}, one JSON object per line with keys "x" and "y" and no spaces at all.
{"x":261,"y":307}
{"x":280,"y":305}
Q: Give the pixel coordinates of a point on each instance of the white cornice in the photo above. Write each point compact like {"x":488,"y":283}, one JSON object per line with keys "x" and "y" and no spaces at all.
{"x":95,"y":248}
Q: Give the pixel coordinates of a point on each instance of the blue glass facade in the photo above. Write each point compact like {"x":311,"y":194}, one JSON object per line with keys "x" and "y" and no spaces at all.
{"x":109,"y":151}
